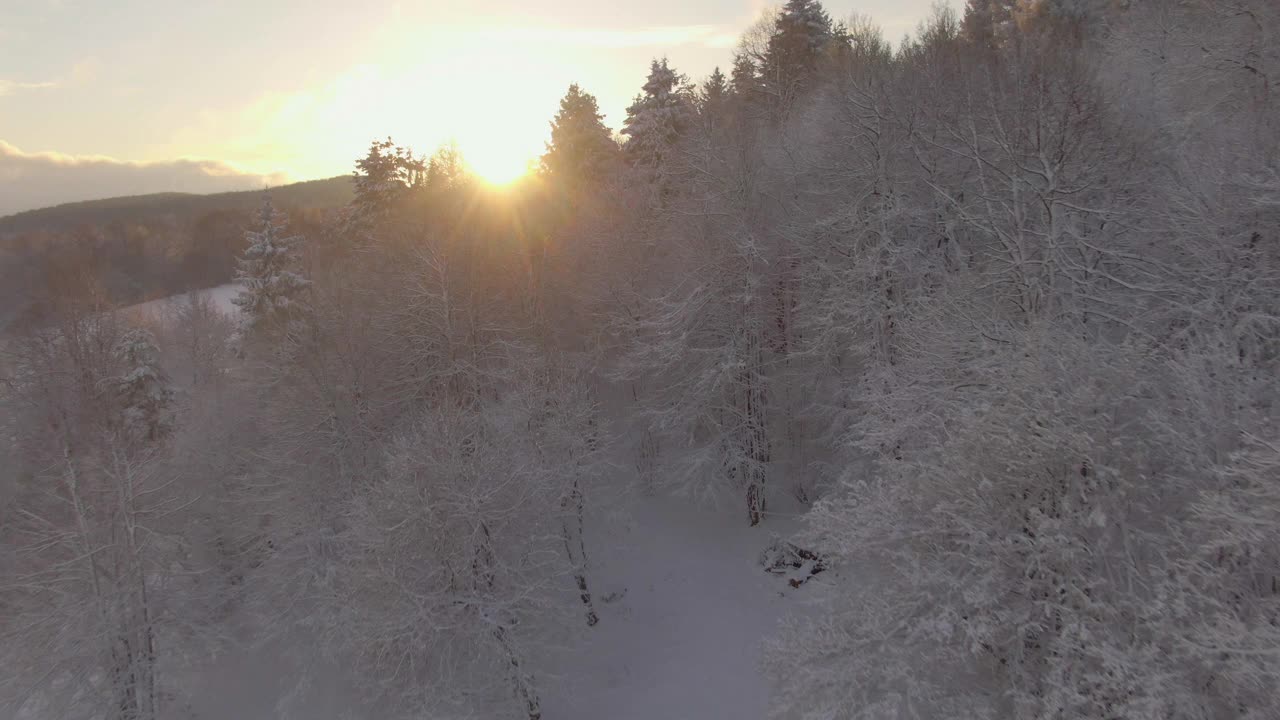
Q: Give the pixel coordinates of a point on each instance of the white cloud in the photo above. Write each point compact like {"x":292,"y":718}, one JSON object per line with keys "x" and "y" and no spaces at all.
{"x":658,"y":36}
{"x":32,"y":180}
{"x":81,"y":73}
{"x":11,"y":87}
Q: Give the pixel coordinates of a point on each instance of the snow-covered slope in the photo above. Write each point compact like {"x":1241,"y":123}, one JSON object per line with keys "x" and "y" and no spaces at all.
{"x":683,"y":642}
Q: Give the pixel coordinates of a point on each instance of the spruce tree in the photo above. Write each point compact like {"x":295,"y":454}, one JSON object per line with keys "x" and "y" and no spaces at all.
{"x":800,"y":35}
{"x":714,"y":95}
{"x":382,"y":179}
{"x":270,"y":285}
{"x":716,"y":87}
{"x":745,"y":78}
{"x":142,"y":389}
{"x":581,"y":148}
{"x":659,"y":116}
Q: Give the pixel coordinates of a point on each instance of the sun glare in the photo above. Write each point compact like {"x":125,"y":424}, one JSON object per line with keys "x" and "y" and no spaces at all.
{"x":493,"y":102}
{"x":495,"y":166}
{"x":496,"y":143}
{"x":499,"y":104}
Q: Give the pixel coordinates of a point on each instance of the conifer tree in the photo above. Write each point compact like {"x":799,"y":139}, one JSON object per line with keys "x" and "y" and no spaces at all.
{"x":800,"y":35}
{"x":745,"y":79}
{"x":270,"y":284}
{"x":987,"y":24}
{"x":715,"y":90}
{"x":581,"y":147}
{"x":143,"y":389}
{"x":382,"y":178}
{"x":659,"y":116}
{"x":714,"y":98}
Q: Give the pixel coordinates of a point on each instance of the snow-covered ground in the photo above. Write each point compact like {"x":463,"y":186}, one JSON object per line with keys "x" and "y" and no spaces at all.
{"x":221,"y":296}
{"x":684,"y":605}
{"x":683,"y":642}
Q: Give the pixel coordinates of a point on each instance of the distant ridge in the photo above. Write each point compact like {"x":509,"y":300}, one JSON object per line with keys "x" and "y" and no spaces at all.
{"x":332,"y":192}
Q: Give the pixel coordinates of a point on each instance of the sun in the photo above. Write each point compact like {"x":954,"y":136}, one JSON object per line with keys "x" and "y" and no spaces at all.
{"x":498,"y":113}
{"x":496,"y":166}
{"x":492,"y":102}
{"x":498,"y":145}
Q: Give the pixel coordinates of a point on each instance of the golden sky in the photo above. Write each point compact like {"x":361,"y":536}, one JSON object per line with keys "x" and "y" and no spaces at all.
{"x":272,"y":90}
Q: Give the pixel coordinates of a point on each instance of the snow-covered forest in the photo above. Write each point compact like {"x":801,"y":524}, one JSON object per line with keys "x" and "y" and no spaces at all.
{"x":860,"y":379}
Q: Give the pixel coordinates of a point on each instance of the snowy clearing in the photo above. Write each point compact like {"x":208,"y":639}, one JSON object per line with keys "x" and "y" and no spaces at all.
{"x":684,"y":640}
{"x":220,"y":295}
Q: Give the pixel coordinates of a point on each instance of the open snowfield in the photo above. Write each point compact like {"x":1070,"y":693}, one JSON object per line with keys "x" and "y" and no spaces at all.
{"x":221,"y":296}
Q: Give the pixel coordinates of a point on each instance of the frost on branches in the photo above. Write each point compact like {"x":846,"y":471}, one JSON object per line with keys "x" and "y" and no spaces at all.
{"x":94,"y":577}
{"x":1057,"y":433}
{"x":460,"y":552}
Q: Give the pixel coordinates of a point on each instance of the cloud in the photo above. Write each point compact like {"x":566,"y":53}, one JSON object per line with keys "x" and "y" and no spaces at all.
{"x":11,"y":87}
{"x":659,"y":36}
{"x":32,"y":180}
{"x":80,"y":74}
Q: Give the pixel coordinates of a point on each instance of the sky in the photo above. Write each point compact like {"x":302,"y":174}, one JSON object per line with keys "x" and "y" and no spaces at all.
{"x":101,"y":98}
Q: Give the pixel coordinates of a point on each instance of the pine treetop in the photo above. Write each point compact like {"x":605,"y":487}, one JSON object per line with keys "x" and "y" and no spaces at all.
{"x":581,"y":145}
{"x":659,"y":114}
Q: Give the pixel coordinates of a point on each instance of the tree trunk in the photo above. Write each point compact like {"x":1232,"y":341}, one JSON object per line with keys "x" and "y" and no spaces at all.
{"x":647,"y":462}
{"x":757,"y":439}
{"x":524,"y":688}
{"x":576,"y":549}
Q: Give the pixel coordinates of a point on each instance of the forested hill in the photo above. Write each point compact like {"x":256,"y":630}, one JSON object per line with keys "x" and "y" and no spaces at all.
{"x":143,"y":247}
{"x":332,"y":192}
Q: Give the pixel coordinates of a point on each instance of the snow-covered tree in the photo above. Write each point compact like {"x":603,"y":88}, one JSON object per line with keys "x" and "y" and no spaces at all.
{"x":271,"y":285}
{"x":1226,"y":596}
{"x":197,"y":338}
{"x":1047,"y":450}
{"x":662,"y":113}
{"x":143,"y":389}
{"x":92,"y":574}
{"x":699,"y":342}
{"x":456,"y":556}
{"x":565,"y":425}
